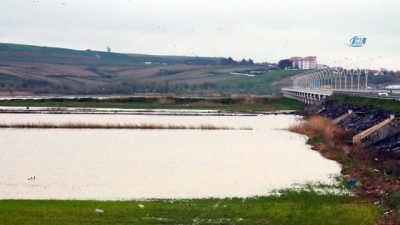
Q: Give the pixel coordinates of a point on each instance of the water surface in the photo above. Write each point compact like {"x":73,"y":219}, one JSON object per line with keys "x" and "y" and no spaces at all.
{"x":127,"y":164}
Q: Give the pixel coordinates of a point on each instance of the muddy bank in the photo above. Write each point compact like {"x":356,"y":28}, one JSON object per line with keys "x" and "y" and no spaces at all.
{"x":376,"y":168}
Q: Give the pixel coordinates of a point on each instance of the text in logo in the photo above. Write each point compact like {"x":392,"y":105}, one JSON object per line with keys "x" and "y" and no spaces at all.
{"x":357,"y":41}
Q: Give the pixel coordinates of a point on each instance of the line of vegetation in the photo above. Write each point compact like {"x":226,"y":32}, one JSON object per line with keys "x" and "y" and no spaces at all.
{"x":144,"y":126}
{"x":170,"y":80}
{"x":289,"y":207}
{"x":374,"y":184}
{"x":240,"y":104}
{"x":386,"y":104}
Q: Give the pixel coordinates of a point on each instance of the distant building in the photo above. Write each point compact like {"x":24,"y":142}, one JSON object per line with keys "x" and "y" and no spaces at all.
{"x":309,"y":62}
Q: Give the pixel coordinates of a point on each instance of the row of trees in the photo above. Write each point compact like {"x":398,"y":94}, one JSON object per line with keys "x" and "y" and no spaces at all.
{"x":285,"y":64}
{"x":230,"y":61}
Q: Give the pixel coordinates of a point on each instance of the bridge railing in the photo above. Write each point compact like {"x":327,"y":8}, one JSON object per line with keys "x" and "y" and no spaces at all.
{"x":332,"y":79}
{"x":317,"y":84}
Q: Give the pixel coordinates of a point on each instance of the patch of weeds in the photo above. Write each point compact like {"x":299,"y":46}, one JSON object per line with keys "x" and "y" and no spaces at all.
{"x":393,"y":202}
{"x":337,"y":187}
{"x":319,"y":138}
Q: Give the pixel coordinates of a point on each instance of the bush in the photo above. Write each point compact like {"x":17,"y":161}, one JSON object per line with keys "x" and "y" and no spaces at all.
{"x":318,"y":125}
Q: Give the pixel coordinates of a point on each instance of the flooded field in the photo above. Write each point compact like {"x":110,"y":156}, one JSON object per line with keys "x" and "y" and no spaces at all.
{"x":112,"y":164}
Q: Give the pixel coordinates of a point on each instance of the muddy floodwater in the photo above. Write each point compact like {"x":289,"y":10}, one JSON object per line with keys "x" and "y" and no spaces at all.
{"x":110,"y":164}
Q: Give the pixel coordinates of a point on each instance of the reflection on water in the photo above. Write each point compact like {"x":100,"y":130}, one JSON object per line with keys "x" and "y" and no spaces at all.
{"x":126,"y":164}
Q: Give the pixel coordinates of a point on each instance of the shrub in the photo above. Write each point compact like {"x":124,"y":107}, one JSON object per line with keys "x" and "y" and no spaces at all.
{"x":318,"y":125}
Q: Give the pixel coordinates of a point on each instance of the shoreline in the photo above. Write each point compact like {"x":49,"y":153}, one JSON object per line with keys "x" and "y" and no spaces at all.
{"x":128,"y":126}
{"x":119,"y":111}
{"x":364,"y":174}
{"x":288,"y":206}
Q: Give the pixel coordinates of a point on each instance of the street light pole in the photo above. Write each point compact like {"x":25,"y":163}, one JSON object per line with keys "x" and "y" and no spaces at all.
{"x":351,"y":78}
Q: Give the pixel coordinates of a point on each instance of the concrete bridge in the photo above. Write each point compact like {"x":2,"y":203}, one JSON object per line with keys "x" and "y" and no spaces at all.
{"x":315,"y":85}
{"x":307,"y":96}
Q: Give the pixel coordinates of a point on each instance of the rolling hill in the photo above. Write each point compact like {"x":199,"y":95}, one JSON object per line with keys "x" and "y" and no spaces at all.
{"x":27,"y":69}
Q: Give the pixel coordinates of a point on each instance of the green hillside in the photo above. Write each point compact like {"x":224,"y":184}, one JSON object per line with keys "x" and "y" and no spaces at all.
{"x":28,"y":69}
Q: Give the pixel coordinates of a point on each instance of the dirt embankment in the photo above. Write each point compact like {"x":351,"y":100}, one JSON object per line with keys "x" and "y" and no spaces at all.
{"x":376,"y":171}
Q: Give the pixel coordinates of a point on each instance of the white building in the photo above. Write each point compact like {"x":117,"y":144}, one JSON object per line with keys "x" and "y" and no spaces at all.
{"x":309,"y":62}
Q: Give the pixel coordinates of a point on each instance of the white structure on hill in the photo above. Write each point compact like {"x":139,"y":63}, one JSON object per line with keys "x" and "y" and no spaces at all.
{"x":309,"y":62}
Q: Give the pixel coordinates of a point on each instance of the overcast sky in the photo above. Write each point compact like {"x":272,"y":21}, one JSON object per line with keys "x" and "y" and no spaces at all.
{"x":263,"y":30}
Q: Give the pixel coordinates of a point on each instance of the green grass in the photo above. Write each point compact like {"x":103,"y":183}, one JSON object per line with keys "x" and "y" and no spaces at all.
{"x":319,"y":138}
{"x":18,"y":47}
{"x":292,"y":207}
{"x":263,"y":104}
{"x":111,"y":56}
{"x":259,"y":84}
{"x":4,"y":76}
{"x":386,"y":104}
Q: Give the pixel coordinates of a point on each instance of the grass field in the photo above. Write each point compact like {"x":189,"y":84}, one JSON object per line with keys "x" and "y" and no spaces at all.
{"x":48,"y":70}
{"x":260,"y":84}
{"x":291,"y":208}
{"x":386,"y":104}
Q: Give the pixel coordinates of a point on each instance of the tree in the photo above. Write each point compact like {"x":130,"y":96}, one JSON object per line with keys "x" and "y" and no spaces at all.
{"x":285,"y":64}
{"x":227,"y":61}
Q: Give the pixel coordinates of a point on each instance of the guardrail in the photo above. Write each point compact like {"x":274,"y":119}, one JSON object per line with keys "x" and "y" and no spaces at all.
{"x":328,"y":81}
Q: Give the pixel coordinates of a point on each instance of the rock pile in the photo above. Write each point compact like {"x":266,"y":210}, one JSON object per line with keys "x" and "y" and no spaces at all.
{"x":365,"y":116}
{"x":391,"y":144}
